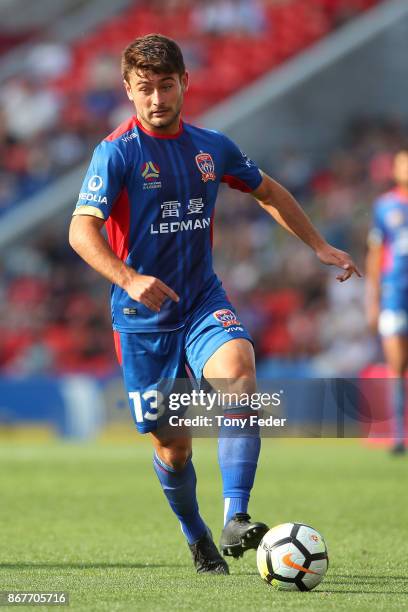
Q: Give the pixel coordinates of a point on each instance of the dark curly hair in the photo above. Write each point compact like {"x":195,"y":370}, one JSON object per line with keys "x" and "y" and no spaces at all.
{"x":155,"y":53}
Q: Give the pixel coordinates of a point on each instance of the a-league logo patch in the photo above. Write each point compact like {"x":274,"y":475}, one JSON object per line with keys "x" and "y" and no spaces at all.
{"x":226,"y":317}
{"x":150,"y":171}
{"x":151,"y":174}
{"x":206,"y":166}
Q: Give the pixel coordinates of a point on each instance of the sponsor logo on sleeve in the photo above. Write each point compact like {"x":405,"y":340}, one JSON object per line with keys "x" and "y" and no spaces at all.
{"x":92,"y":197}
{"x":95,"y":183}
{"x":247,"y":160}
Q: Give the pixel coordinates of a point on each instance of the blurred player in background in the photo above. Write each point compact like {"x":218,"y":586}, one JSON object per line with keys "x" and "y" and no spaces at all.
{"x":387,"y":285}
{"x":154,"y":183}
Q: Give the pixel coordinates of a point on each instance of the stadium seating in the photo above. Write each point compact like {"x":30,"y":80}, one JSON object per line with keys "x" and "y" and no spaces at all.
{"x":55,"y":313}
{"x":86,"y":100}
{"x":231,"y":60}
{"x":51,"y":323}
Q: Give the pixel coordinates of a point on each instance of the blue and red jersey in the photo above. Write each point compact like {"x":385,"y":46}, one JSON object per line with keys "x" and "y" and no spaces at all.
{"x":390,"y":230}
{"x":157,"y":195}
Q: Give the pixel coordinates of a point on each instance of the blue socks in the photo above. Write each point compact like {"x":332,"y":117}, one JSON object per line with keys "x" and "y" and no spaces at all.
{"x":238,"y":452}
{"x":399,"y":409}
{"x":179,"y":487}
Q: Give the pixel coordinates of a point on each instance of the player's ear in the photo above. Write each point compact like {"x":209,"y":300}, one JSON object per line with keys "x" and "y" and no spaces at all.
{"x":128,"y":89}
{"x":184,"y":81}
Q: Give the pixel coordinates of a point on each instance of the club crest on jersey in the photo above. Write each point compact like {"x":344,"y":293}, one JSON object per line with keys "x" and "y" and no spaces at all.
{"x":151,"y":173}
{"x":226,"y":317}
{"x":206,"y":166}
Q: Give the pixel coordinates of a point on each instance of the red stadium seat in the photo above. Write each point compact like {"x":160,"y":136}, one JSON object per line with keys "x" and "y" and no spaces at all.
{"x":232,"y":60}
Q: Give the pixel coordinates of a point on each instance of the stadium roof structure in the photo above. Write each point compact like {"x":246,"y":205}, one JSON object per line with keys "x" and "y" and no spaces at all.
{"x":80,"y":17}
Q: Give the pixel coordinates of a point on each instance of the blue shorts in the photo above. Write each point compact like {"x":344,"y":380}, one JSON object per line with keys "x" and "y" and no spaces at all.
{"x":393,"y":322}
{"x":393,"y":319}
{"x":152,"y":361}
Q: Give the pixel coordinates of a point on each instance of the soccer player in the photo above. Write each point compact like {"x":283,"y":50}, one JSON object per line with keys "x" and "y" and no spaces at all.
{"x":153,"y":183}
{"x":387,"y":285}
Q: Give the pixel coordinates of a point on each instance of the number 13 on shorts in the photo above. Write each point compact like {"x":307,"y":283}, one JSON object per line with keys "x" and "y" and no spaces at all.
{"x":147,"y":406}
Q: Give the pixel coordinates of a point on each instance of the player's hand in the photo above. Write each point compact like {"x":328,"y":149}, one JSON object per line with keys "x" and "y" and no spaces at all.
{"x":149,"y":291}
{"x":335,"y":257}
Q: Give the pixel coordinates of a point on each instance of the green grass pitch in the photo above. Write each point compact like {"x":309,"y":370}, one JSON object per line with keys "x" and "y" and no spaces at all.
{"x":91,"y":520}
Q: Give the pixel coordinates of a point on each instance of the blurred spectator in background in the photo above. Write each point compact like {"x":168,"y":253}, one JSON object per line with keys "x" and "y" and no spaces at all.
{"x":102,"y":95}
{"x":54,"y":316}
{"x":228,"y":16}
{"x":47,"y":60}
{"x":28,"y":109}
{"x":295,"y":171}
{"x":53,"y":311}
{"x":67,"y":96}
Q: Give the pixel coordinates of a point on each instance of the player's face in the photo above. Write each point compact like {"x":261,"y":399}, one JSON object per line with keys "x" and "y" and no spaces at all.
{"x":401,"y":169}
{"x":158,"y":99}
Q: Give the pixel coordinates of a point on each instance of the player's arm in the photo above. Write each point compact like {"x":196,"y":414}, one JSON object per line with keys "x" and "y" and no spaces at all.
{"x":373,"y":285}
{"x":86,"y":239}
{"x":282,"y":206}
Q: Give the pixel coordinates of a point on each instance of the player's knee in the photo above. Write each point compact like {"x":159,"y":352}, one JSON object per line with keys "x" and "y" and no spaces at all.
{"x":243,"y":371}
{"x":239,"y":361}
{"x":175,"y":454}
{"x":241,"y":377}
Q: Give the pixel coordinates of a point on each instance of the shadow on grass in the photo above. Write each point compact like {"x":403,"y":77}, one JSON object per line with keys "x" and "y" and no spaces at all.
{"x":68,"y":565}
{"x":358,"y":592}
{"x":361,"y":584}
{"x":361,"y":578}
{"x":354,"y":584}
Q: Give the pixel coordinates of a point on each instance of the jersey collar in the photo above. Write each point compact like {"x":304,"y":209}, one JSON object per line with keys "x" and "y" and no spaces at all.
{"x":162,"y":136}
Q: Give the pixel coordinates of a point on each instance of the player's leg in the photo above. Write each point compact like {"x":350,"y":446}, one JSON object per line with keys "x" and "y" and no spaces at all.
{"x":150,"y":363}
{"x":175,"y":471}
{"x":396,"y":354}
{"x":219,"y":348}
{"x":231,"y":369}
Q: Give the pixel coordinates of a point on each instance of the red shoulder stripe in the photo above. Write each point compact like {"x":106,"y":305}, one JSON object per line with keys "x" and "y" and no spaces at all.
{"x":124,"y":127}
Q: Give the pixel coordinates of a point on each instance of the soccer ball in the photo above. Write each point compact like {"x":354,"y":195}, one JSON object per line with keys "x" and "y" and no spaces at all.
{"x":292,"y":557}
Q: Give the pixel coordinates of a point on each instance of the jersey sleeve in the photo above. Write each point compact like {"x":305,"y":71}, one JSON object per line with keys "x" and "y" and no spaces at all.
{"x":103,"y":182}
{"x":240,"y":172}
{"x":376,"y":235}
